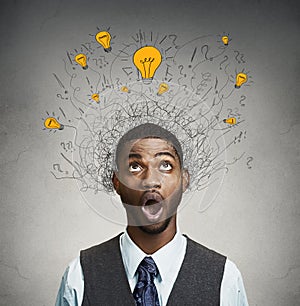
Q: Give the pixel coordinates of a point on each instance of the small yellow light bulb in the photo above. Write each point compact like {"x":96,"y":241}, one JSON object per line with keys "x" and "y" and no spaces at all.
{"x":230,"y":120}
{"x":103,"y":38}
{"x":125,"y":89}
{"x":95,"y":97}
{"x":163,"y":87}
{"x":225,"y":40}
{"x":81,"y":60}
{"x":52,"y":123}
{"x":147,"y":59}
{"x":241,"y":78}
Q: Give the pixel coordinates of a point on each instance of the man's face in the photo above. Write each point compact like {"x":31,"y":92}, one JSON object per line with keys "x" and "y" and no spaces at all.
{"x":150,"y":182}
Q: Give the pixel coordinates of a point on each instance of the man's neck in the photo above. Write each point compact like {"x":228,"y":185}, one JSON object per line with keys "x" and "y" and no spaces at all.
{"x":149,"y":243}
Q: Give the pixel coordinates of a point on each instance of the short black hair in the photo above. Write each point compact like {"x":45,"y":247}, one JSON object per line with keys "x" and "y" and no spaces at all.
{"x":149,"y":130}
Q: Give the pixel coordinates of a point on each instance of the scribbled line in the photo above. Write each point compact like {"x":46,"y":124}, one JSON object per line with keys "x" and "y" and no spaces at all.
{"x":195,"y":117}
{"x":18,"y":157}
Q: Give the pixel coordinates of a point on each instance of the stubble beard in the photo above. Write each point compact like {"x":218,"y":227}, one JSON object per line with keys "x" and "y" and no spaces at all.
{"x":156,"y":228}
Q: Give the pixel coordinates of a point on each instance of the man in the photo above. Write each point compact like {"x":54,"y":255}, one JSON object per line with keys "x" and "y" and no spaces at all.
{"x":152,"y":263}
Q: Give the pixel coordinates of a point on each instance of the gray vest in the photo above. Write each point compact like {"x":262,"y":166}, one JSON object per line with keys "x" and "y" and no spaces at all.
{"x":105,"y":281}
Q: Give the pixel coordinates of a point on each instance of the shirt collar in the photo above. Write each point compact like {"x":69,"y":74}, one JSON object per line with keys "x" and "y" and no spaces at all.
{"x":132,"y":255}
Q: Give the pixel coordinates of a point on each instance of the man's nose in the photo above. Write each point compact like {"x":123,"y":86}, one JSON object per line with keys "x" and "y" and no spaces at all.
{"x":152,"y":179}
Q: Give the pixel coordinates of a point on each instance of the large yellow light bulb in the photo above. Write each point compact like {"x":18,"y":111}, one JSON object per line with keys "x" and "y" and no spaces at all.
{"x":163,"y":87}
{"x":95,"y":97}
{"x":230,"y":120}
{"x":147,"y":60}
{"x":81,"y":60}
{"x":241,"y":78}
{"x":225,"y":40}
{"x":103,"y":38}
{"x":51,"y":123}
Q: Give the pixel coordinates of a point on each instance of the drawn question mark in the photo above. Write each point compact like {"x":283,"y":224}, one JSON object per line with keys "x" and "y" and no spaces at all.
{"x":249,"y":160}
{"x":118,"y":82}
{"x":230,"y":114}
{"x":70,"y":145}
{"x":96,"y":61}
{"x":242,"y":58}
{"x":64,"y":146}
{"x":185,"y":88}
{"x":238,"y":53}
{"x":243,"y":98}
{"x":206,"y":51}
{"x":234,"y":113}
{"x":60,"y":96}
{"x":104,"y":60}
{"x":206,"y":76}
{"x":180,"y":70}
{"x":57,"y":167}
{"x":225,"y":59}
{"x":174,"y":37}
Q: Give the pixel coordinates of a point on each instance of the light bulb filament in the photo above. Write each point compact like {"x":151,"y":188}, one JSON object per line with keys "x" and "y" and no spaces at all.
{"x":147,"y":66}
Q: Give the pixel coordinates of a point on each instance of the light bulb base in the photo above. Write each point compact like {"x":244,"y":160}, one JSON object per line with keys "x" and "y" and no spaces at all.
{"x":237,"y":87}
{"x":85,"y":67}
{"x":147,"y":81}
{"x":107,"y":49}
{"x":61,"y":127}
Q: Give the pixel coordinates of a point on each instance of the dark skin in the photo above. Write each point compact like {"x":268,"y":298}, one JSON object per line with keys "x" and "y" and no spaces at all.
{"x":150,"y":182}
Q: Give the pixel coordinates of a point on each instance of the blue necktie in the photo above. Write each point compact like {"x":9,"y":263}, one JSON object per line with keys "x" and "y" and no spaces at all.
{"x":145,"y":293}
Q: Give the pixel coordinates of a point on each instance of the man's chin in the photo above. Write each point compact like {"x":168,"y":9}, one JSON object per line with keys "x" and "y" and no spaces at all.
{"x":156,"y":228}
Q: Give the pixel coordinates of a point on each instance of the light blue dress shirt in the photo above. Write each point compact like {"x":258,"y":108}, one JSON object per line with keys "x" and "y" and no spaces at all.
{"x":168,"y":260}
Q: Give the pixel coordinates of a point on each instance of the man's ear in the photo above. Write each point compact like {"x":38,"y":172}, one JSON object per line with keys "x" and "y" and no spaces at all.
{"x":116,"y":183}
{"x":185,"y":179}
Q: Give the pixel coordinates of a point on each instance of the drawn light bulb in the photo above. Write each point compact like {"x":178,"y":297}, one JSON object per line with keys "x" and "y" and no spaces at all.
{"x":225,"y":40}
{"x":95,"y":97}
{"x":52,"y":124}
{"x":81,"y":60}
{"x":103,"y":38}
{"x":230,"y":120}
{"x":241,"y":78}
{"x":125,"y":89}
{"x":147,"y":59}
{"x":163,"y":87}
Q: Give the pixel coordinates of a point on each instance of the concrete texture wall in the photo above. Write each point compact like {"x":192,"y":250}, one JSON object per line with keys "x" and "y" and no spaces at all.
{"x":255,"y":218}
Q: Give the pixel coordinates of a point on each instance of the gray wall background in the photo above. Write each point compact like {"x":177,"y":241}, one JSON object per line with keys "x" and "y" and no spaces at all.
{"x":255,"y":218}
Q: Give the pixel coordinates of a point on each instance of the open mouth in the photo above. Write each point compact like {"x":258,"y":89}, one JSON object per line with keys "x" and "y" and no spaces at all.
{"x":152,"y":205}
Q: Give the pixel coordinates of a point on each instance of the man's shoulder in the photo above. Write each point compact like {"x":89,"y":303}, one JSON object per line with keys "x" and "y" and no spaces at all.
{"x":102,"y":248}
{"x":197,"y":249}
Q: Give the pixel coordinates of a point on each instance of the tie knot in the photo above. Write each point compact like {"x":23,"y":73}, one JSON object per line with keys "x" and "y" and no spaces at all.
{"x":148,"y":265}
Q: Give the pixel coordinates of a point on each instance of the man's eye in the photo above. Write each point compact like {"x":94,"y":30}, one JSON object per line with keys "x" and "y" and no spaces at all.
{"x":135,"y":168}
{"x":165,"y":166}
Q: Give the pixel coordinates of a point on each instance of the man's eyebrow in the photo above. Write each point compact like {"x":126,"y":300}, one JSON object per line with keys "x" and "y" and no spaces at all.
{"x":165,"y":153}
{"x":138,"y":156}
{"x":134,"y":155}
